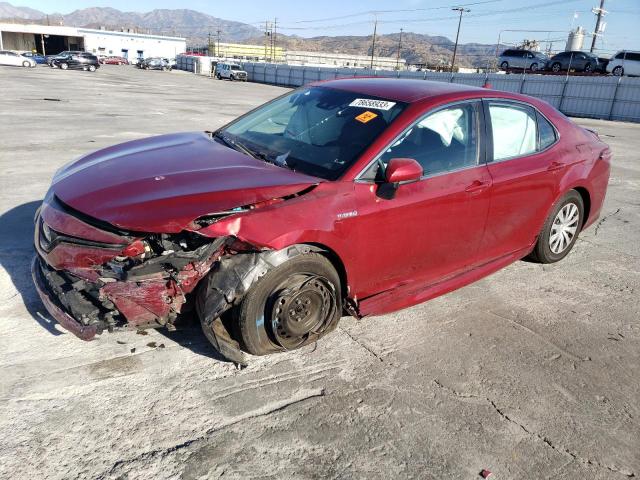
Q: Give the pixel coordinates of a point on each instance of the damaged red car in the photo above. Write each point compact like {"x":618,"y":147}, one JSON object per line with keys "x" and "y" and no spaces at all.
{"x":356,"y":196}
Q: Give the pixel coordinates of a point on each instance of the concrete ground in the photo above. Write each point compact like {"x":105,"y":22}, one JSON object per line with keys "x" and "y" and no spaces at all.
{"x":531,"y":373}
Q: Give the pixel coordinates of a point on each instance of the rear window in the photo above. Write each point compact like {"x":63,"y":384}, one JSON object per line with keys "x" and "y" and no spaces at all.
{"x":633,"y":56}
{"x":546,"y":132}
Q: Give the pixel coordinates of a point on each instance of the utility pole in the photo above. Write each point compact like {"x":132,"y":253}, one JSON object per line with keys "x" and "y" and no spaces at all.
{"x":266,"y":38}
{"x":274,"y":37}
{"x":600,"y":12}
{"x":218,"y":49}
{"x":209,"y":52}
{"x":455,"y":48}
{"x":373,"y":43}
{"x":399,"y":47}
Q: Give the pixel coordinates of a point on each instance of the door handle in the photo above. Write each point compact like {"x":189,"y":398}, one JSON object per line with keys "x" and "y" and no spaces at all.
{"x":555,"y":166}
{"x":476,"y":187}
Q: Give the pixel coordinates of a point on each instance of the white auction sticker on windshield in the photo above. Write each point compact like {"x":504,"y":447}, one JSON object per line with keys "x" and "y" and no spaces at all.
{"x":372,"y":104}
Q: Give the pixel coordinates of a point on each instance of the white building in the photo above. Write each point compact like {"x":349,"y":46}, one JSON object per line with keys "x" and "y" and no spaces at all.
{"x":54,"y":39}
{"x":298,"y":57}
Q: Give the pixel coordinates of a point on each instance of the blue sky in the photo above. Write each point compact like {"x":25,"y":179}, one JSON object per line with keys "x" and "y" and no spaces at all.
{"x":338,"y":17}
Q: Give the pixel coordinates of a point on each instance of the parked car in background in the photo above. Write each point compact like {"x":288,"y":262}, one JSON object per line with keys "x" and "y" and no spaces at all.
{"x":50,"y":58}
{"x":515,"y":59}
{"x":230,"y":71}
{"x":625,"y":62}
{"x":358,"y":196}
{"x":171,"y":62}
{"x":15,"y":59}
{"x":76,"y":61}
{"x":575,"y":60}
{"x":37,"y":57}
{"x":115,"y":61}
{"x":155,"y":63}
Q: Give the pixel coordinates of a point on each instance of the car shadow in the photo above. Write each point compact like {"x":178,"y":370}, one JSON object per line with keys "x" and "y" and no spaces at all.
{"x":16,"y":252}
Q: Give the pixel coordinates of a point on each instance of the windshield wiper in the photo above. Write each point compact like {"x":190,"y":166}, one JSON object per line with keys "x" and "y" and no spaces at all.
{"x":235,"y":145}
{"x":280,"y":160}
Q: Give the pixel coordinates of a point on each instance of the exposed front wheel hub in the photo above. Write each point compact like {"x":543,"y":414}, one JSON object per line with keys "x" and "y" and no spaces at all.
{"x":302,"y":309}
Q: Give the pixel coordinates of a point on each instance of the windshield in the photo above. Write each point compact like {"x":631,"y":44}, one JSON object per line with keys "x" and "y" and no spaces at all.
{"x":319,"y":131}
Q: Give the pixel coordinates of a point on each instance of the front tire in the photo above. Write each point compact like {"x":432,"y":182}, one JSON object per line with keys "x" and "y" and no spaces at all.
{"x":64,"y":66}
{"x":534,"y":67}
{"x":294,"y":304}
{"x":560,"y":230}
{"x":588,"y":68}
{"x":92,"y":68}
{"x":26,"y":64}
{"x":504,"y":66}
{"x":618,"y":71}
{"x":556,"y":67}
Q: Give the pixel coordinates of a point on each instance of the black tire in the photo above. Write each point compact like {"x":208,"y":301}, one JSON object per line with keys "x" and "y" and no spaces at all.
{"x":64,"y":66}
{"x":542,"y":252}
{"x":534,"y":67}
{"x":588,"y":68}
{"x":556,"y":67}
{"x":91,"y":68}
{"x":618,"y":71}
{"x":26,"y":64}
{"x":504,"y":66}
{"x":296,"y":285}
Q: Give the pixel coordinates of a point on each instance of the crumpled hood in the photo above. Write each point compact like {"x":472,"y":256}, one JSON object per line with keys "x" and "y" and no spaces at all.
{"x":161,"y":184}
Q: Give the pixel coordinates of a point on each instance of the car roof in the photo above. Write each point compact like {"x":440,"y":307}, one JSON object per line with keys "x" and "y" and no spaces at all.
{"x":401,"y":89}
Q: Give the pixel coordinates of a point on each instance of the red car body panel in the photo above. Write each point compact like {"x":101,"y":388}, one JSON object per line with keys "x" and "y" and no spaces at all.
{"x":161,"y":184}
{"x":434,"y":236}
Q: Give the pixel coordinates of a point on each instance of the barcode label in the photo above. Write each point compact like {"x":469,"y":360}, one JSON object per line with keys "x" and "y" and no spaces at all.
{"x":372,"y":104}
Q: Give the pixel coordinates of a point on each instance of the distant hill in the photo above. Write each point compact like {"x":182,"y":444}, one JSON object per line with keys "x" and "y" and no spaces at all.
{"x":181,"y":22}
{"x":195,"y":26}
{"x":9,"y":11}
{"x":416,"y":48}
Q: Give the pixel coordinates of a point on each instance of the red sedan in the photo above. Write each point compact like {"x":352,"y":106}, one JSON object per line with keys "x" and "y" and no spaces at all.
{"x":358,"y":196}
{"x":115,"y":61}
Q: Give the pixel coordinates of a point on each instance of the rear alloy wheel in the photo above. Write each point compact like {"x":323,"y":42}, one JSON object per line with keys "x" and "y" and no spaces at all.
{"x":294,"y":304}
{"x":92,"y":68}
{"x":534,"y":67}
{"x":504,"y":66}
{"x":556,"y":67}
{"x":618,"y":71}
{"x":561,"y":229}
{"x":25,"y":64}
{"x":64,"y":66}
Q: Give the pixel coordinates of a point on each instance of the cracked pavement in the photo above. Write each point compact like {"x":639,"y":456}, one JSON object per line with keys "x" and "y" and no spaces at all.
{"x":531,"y":373}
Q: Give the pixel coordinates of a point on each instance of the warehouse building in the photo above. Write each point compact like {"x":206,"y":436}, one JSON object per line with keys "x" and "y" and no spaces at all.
{"x":53,"y":39}
{"x":298,"y":57}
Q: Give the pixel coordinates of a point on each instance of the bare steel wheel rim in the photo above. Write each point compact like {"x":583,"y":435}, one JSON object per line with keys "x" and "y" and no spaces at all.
{"x":302,"y":309}
{"x":564,"y":228}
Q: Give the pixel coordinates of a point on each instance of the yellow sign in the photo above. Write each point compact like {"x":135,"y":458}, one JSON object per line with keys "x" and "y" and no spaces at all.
{"x":366,"y":116}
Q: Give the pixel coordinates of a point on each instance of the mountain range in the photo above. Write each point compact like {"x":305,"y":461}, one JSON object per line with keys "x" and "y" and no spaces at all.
{"x":416,"y":48}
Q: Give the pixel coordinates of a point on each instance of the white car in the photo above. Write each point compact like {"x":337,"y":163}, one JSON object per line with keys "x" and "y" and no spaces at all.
{"x":625,"y":62}
{"x":11,"y":58}
{"x":231,"y":71}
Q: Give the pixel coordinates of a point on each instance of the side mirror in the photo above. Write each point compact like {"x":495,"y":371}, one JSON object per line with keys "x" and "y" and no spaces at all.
{"x":403,"y":170}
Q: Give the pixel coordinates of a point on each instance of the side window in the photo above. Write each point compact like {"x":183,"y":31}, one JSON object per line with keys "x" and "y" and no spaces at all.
{"x":443,"y":141}
{"x":633,"y":56}
{"x":546,"y":131}
{"x":514,"y":130}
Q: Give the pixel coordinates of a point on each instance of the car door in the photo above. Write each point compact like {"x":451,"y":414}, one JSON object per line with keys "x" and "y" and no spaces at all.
{"x":431,"y":228}
{"x":632,"y":64}
{"x":525,"y":163}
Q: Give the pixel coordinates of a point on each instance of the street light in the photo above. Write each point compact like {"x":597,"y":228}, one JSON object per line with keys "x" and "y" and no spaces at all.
{"x":455,"y":48}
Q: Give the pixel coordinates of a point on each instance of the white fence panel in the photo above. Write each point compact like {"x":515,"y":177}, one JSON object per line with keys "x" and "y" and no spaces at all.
{"x":596,"y":97}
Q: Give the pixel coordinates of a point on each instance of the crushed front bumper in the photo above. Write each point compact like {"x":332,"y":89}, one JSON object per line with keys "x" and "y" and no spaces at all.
{"x":85,"y":332}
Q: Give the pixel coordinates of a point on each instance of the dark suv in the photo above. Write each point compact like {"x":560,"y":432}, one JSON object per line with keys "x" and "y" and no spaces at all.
{"x":576,"y":60}
{"x":75,"y":60}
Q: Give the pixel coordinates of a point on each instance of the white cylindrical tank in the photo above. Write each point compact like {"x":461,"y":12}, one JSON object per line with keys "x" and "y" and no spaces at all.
{"x":575,"y":40}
